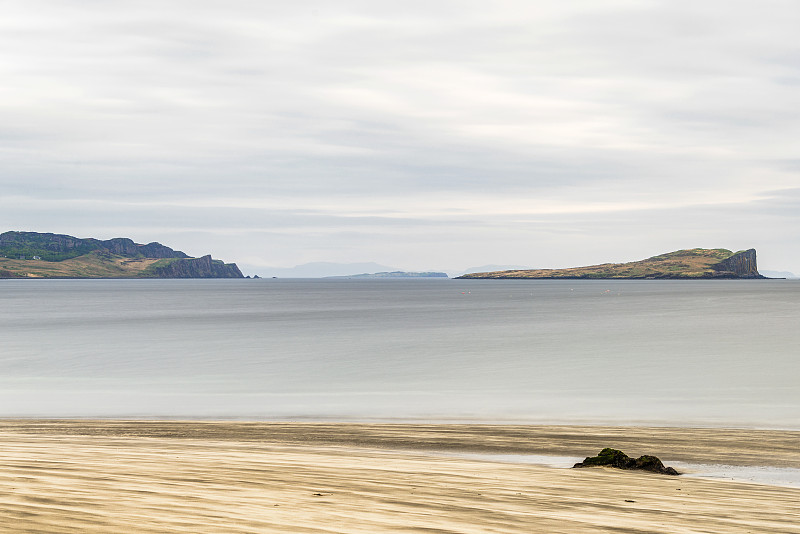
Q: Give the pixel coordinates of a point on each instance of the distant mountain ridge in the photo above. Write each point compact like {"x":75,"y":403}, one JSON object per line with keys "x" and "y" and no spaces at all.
{"x":48,"y":255}
{"x":322,"y":269}
{"x":395,"y":274}
{"x":696,"y":263}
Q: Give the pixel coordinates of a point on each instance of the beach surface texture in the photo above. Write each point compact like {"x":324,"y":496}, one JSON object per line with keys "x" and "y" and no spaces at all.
{"x":176,"y":476}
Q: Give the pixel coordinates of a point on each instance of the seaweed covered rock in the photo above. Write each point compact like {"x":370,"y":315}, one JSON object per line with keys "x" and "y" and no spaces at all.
{"x":616,"y":458}
{"x":652,"y":463}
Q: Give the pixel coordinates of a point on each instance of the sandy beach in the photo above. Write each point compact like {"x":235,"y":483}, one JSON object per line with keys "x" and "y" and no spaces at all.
{"x":188,"y":476}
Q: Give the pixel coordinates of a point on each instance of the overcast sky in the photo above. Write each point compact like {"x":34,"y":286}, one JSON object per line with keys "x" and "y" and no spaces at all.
{"x":421,"y":135}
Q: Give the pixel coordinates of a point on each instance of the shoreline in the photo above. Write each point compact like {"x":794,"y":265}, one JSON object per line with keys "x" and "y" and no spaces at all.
{"x":702,"y":445}
{"x":188,"y":476}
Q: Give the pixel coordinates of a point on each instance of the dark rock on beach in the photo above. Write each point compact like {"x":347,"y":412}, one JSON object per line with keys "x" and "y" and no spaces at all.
{"x":615,"y":458}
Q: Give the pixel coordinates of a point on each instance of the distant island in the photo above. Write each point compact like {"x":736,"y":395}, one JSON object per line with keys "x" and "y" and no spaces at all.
{"x":696,"y":263}
{"x":395,"y":274}
{"x":45,"y":255}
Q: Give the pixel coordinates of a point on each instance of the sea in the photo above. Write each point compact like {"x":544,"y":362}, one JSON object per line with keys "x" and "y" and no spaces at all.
{"x":629,"y":352}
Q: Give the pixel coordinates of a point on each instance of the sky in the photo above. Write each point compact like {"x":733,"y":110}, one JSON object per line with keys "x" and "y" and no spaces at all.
{"x":420,"y":135}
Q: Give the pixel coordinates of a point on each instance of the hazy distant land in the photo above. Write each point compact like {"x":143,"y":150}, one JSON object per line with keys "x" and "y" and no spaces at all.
{"x":327,"y":269}
{"x":395,"y":274}
{"x":46,"y":255}
{"x":696,"y":263}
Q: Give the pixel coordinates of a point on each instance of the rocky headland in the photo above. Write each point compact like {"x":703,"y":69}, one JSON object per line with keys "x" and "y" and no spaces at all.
{"x":47,"y":255}
{"x":696,"y":263}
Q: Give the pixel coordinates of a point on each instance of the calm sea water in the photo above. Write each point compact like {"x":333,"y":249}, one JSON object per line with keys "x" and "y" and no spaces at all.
{"x":663,"y":352}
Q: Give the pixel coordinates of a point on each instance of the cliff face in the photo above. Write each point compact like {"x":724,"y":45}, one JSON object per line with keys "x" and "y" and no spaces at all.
{"x":203,"y":267}
{"x":740,"y":265}
{"x":57,"y":247}
{"x":49,"y":246}
{"x":46,"y":255}
{"x":126,"y":247}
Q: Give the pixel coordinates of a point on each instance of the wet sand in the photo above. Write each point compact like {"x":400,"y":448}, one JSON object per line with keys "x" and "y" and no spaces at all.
{"x":173,"y":476}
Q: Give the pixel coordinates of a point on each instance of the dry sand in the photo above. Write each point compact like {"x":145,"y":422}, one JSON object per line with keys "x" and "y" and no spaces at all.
{"x":105,"y":476}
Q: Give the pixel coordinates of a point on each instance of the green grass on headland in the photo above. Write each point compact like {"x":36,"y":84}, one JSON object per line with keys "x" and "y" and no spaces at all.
{"x":696,"y":263}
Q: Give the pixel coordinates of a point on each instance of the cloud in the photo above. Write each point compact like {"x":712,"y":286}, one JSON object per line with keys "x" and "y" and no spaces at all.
{"x":353,"y":119}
